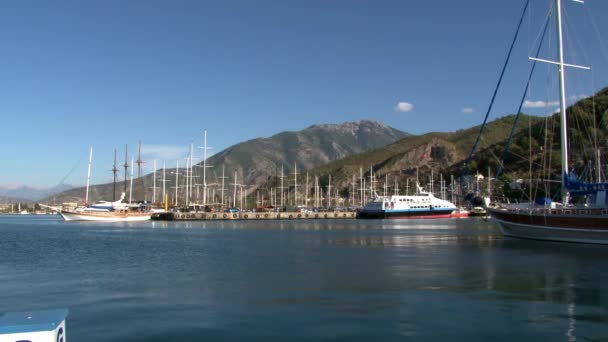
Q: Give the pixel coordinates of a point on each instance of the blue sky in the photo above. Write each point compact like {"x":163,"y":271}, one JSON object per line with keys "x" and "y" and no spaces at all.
{"x":110,"y":73}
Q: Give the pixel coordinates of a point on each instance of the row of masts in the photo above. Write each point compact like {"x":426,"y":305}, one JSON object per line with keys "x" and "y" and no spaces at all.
{"x":189,"y":193}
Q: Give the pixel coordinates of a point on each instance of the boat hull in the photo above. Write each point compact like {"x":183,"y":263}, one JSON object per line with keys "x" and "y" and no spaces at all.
{"x":104,"y":216}
{"x":405,"y":214}
{"x":562,"y":228}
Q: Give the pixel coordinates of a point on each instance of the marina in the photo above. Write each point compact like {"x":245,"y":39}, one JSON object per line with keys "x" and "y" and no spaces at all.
{"x":302,"y":280}
{"x":308,"y":171}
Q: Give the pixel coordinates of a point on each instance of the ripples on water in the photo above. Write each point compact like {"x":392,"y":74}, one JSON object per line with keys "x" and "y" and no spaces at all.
{"x":431,"y":280}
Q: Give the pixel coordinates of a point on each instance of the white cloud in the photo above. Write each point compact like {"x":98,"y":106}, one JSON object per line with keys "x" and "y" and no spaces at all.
{"x":164,"y":152}
{"x":540,"y":104}
{"x":575,"y":98}
{"x":404,"y":107}
{"x":468,"y":110}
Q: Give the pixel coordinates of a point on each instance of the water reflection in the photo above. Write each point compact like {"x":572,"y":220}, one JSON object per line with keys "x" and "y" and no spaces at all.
{"x":377,"y":280}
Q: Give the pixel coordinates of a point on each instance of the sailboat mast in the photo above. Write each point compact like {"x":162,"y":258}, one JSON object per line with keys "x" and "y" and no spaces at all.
{"x":295,"y":184}
{"x":126,"y":166}
{"x":223,"y":188}
{"x":329,"y":193}
{"x":234,"y":194}
{"x":131,"y":184}
{"x":114,"y":171}
{"x":154,"y":184}
{"x":139,"y":162}
{"x":562,"y":103}
{"x":205,"y":170}
{"x":86,"y":196}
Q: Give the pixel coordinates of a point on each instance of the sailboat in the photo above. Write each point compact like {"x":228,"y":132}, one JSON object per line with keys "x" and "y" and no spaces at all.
{"x":116,"y":211}
{"x":565,"y":222}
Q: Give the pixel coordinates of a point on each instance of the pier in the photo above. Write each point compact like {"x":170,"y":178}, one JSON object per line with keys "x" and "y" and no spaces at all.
{"x":214,"y":216}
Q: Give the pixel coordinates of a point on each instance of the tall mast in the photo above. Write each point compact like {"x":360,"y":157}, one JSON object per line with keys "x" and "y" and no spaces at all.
{"x":114,"y":171}
{"x":191,"y":172}
{"x":205,"y":170}
{"x":371,"y":182}
{"x":131,"y":186}
{"x":385,"y":184}
{"x":234,"y":195}
{"x":139,"y":162}
{"x":562,"y":96}
{"x":154,"y":184}
{"x":306,"y":192}
{"x":361,"y":186}
{"x":86,"y":196}
{"x":223,"y":188}
{"x":295,"y":184}
{"x":164,"y":180}
{"x":126,"y":166}
{"x":329,"y":193}
{"x":187,"y":179}
{"x":562,"y":103}
{"x":176,"y":182}
{"x":282,"y":189}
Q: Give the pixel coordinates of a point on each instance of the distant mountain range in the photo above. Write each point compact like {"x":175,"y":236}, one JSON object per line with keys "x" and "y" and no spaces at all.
{"x":257,"y":160}
{"x":26,"y":193}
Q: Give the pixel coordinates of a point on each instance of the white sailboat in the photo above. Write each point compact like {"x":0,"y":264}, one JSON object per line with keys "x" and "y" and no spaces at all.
{"x":585,"y":223}
{"x":117,"y":211}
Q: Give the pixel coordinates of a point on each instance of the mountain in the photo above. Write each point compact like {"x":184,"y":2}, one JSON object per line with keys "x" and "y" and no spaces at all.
{"x":256,"y":160}
{"x":401,"y":160}
{"x":22,"y":192}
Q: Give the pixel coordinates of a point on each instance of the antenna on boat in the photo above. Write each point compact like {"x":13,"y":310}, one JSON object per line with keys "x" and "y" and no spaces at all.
{"x":562,"y":96}
{"x":86,"y":196}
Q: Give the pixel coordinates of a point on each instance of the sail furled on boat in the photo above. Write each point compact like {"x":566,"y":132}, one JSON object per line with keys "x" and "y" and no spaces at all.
{"x":577,"y":187}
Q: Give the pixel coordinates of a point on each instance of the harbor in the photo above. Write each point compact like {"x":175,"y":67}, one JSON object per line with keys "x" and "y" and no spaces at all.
{"x":308,"y":171}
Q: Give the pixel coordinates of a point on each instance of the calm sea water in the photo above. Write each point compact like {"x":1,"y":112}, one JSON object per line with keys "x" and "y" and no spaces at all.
{"x":432,"y":280}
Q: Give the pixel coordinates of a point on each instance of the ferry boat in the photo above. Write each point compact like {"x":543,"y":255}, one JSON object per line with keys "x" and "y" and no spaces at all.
{"x":422,"y":205}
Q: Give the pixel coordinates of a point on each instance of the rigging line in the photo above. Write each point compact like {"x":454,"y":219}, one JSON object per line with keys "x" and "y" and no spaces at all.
{"x":502,"y":73}
{"x":523,"y":99}
{"x":602,"y":44}
{"x":73,"y":168}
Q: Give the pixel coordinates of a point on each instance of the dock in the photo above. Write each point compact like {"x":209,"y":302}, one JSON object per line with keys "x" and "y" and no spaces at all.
{"x":214,"y":216}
